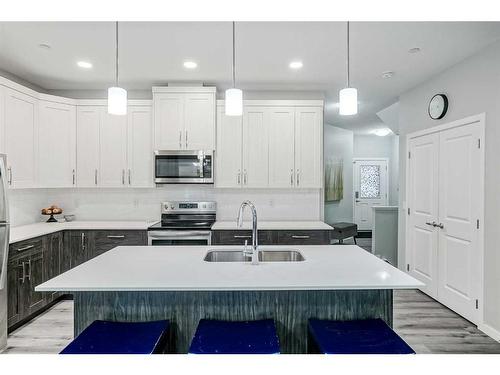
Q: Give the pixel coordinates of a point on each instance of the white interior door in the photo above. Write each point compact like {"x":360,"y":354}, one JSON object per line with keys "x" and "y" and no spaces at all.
{"x":459,"y":259}
{"x":370,"y":189}
{"x":423,"y":207}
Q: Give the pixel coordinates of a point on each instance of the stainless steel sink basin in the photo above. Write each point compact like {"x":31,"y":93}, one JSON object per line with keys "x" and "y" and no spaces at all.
{"x":264,"y":256}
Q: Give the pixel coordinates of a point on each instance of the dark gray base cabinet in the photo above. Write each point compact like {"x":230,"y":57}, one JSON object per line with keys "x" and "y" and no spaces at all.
{"x":34,"y":261}
{"x":272,"y":237}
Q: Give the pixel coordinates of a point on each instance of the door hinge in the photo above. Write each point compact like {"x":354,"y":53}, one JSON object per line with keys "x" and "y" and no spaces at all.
{"x":408,"y":210}
{"x":477,"y":223}
{"x":477,"y":304}
{"x":408,"y":267}
{"x":479,"y":143}
{"x":409,"y":155}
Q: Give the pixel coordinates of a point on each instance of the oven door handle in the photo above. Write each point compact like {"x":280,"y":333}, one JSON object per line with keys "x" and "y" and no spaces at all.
{"x":179,"y":233}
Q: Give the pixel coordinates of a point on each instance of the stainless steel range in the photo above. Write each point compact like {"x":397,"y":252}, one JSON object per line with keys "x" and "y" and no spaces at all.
{"x":183,"y":223}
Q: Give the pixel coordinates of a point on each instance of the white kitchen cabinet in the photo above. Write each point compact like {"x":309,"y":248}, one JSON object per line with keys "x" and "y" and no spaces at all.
{"x":199,"y":113}
{"x":2,"y":119}
{"x":255,"y":147}
{"x":21,"y":132}
{"x":139,"y":146}
{"x":88,"y":122}
{"x":56,"y":145}
{"x":112,"y":150}
{"x":184,"y":118}
{"x":169,"y":121}
{"x":228,"y":156}
{"x":308,"y":147}
{"x":282,"y":147}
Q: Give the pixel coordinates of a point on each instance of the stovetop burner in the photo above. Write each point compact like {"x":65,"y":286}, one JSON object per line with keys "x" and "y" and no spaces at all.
{"x":186,"y":215}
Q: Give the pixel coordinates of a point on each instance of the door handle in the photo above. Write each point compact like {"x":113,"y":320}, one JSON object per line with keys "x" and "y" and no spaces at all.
{"x":356,"y":194}
{"x":441,"y":226}
{"x":432,"y":224}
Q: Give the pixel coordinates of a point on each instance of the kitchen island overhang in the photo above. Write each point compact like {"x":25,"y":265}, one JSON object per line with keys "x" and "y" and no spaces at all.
{"x":141,"y":283}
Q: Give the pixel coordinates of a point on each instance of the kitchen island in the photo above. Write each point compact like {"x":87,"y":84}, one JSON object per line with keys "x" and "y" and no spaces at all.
{"x":140,"y":283}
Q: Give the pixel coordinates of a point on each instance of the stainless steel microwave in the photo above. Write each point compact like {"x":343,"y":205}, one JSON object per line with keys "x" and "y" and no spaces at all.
{"x":184,"y":167}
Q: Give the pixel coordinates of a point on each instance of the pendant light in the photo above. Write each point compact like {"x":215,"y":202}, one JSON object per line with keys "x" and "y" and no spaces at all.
{"x":117,"y":96}
{"x":234,"y":96}
{"x":348,"y":97}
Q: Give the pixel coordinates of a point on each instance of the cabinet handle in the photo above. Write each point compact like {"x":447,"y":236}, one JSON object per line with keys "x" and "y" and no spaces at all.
{"x":241,"y":236}
{"x":26,"y":248}
{"x":95,"y":177}
{"x":238,"y":177}
{"x":291,"y":177}
{"x":29,"y":269}
{"x":129,"y":177}
{"x":186,"y":139}
{"x":83,"y":241}
{"x":298,"y":181}
{"x":180,"y":138}
{"x":431,"y":224}
{"x":117,"y":237}
{"x":244,"y":177}
{"x":123,"y":176}
{"x":73,"y":177}
{"x":9,"y":181}
{"x":301,"y":237}
{"x":24,"y":272}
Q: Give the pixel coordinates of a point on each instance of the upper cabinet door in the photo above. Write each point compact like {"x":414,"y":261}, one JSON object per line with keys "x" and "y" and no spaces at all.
{"x":20,"y":138}
{"x":228,"y":172}
{"x":2,"y":120}
{"x":281,"y":147}
{"x":308,"y":147}
{"x":255,"y":147}
{"x":113,"y":151}
{"x":199,"y":129}
{"x":57,"y":145}
{"x":140,"y":147}
{"x":88,"y":122}
{"x":169,"y":121}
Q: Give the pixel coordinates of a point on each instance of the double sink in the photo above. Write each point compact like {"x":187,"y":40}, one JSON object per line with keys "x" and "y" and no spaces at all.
{"x":236,"y":255}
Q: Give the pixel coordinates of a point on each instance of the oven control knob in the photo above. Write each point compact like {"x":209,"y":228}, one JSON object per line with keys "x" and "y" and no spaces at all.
{"x":172,"y":207}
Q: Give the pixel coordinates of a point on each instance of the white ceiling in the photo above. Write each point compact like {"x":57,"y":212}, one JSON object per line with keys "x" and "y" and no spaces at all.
{"x":153,"y":53}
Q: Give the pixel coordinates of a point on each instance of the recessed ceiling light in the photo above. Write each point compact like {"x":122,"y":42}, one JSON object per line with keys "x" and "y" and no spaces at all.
{"x":190,"y":65}
{"x":388,"y":74}
{"x":382,"y":132}
{"x":44,"y":46}
{"x":84,"y":64}
{"x":296,"y":65}
{"x":414,"y":50}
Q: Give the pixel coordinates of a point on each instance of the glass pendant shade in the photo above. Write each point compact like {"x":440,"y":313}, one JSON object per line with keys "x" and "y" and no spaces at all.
{"x":234,"y":102}
{"x":117,"y":101}
{"x":348,"y":101}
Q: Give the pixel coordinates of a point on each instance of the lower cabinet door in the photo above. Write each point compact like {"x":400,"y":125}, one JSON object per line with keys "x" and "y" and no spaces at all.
{"x":79,"y":244}
{"x":53,"y":250}
{"x":33,"y":301}
{"x":14,"y":280}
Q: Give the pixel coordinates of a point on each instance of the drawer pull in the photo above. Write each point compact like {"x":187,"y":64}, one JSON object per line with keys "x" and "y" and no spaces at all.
{"x":301,"y":237}
{"x":117,"y":237}
{"x":26,"y":248}
{"x":24,"y":272}
{"x":240,"y":236}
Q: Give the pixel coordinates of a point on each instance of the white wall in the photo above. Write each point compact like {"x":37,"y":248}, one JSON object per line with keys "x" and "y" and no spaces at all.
{"x":472,"y":87}
{"x":338,"y":143}
{"x":144,"y":204}
{"x":372,"y":146}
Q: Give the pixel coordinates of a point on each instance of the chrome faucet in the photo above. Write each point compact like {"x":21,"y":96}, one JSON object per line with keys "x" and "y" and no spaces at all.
{"x":255,"y":249}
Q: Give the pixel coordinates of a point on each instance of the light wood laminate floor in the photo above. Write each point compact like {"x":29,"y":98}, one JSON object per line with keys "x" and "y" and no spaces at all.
{"x":426,"y":325}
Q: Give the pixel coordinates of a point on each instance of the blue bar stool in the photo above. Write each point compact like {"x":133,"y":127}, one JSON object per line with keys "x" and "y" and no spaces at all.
{"x":223,"y":337}
{"x":371,"y":336}
{"x":105,"y":337}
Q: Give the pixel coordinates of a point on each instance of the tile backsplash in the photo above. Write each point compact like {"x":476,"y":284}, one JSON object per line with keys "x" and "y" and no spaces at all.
{"x":144,"y":204}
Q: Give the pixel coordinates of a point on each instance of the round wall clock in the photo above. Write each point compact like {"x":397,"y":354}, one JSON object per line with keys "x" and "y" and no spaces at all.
{"x":438,"y":106}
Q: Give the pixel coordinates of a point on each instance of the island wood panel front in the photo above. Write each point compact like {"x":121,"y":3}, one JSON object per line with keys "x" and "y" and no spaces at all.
{"x":290,"y":310}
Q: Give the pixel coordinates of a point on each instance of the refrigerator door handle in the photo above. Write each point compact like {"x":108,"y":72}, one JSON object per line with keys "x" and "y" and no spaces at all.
{"x":4,"y":253}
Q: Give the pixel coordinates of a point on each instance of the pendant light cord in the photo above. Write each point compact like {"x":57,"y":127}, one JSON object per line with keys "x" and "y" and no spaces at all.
{"x":234,"y":79}
{"x":116,"y":57}
{"x":348,"y":78}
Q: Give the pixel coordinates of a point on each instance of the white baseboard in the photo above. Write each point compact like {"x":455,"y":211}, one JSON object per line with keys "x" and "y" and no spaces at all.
{"x":490,"y":331}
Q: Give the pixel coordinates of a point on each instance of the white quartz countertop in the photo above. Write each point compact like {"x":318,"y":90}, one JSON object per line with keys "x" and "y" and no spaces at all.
{"x":25,"y":232}
{"x":273,"y":225}
{"x":182,"y":268}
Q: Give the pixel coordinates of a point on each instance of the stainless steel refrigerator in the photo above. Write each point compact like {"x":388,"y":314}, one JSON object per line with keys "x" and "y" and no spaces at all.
{"x":4,"y":250}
